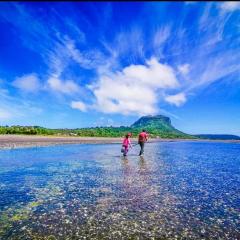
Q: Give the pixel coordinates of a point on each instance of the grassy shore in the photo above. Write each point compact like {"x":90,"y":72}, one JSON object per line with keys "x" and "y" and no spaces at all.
{"x":19,"y":141}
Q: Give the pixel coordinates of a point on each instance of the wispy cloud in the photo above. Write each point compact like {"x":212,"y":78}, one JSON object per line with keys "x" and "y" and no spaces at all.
{"x":213,"y":55}
{"x":90,"y":59}
{"x":130,"y":43}
{"x":159,"y":39}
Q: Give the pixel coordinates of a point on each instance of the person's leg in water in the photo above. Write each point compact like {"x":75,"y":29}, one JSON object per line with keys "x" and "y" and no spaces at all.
{"x":142,"y":148}
{"x":125,"y":151}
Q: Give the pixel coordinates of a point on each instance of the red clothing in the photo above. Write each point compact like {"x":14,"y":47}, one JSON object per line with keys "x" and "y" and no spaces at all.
{"x":126,"y":142}
{"x":142,"y":137}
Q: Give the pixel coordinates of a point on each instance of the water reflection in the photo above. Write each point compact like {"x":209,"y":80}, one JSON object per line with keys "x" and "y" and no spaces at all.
{"x":125,"y":166}
{"x":142,"y":164}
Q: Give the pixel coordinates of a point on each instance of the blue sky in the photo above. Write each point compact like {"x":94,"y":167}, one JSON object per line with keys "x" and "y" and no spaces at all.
{"x":80,"y":64}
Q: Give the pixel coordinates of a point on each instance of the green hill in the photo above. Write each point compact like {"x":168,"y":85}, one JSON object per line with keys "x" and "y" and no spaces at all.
{"x":157,"y":126}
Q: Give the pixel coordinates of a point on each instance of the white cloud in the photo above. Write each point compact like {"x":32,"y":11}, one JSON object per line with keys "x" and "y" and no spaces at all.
{"x":177,"y":99}
{"x":230,"y":6}
{"x":66,"y":87}
{"x":184,"y":69}
{"x":28,"y":83}
{"x":79,"y":105}
{"x":134,"y":89}
{"x":153,"y":74}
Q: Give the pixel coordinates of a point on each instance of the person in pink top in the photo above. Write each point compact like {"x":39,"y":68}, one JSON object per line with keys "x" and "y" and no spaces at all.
{"x":142,"y":138}
{"x":126,"y":144}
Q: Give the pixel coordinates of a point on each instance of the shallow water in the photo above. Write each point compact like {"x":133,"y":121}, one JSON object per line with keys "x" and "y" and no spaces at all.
{"x":179,"y":190}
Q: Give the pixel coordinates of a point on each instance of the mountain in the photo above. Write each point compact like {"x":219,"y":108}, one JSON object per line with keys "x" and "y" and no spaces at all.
{"x":158,"y":125}
{"x":159,"y":122}
{"x":218,"y":136}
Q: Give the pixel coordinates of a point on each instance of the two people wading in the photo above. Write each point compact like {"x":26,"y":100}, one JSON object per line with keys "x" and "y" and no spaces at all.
{"x":126,"y":144}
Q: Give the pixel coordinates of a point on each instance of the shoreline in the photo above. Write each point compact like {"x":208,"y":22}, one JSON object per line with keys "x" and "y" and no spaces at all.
{"x":23,"y":141}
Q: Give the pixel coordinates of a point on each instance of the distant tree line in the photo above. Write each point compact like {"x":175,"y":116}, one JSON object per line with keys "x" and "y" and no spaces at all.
{"x":92,"y":132}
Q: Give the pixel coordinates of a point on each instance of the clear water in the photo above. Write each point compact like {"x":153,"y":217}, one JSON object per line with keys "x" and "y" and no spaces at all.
{"x":179,"y":190}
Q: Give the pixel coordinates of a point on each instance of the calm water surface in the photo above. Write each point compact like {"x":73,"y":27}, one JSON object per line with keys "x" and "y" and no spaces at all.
{"x":179,"y":190}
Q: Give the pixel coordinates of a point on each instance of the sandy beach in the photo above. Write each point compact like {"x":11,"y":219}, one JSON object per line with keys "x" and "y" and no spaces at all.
{"x":19,"y":141}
